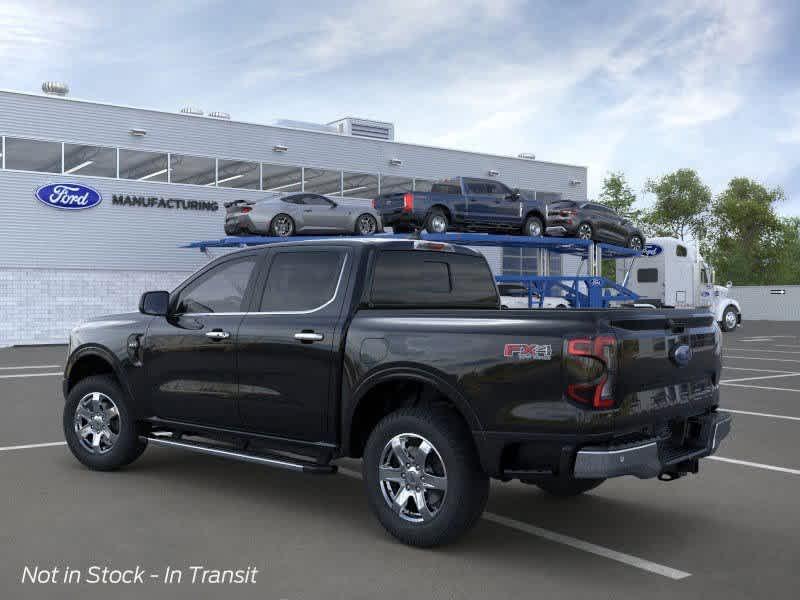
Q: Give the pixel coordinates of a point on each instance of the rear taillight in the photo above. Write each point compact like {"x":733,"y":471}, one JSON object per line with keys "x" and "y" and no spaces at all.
{"x":591,"y":367}
{"x":246,"y":209}
{"x":374,"y":203}
{"x":408,"y":202}
{"x":568,"y":213}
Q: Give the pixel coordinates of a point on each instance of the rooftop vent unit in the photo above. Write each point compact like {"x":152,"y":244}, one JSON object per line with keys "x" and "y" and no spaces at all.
{"x":55,"y":88}
{"x":303,"y":125}
{"x":527,"y":155}
{"x":376,"y":130}
{"x":216,"y":114}
{"x":192,"y":110}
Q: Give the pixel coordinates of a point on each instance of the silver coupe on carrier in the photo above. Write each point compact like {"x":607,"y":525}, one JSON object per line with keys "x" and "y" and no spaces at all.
{"x":282,"y":215}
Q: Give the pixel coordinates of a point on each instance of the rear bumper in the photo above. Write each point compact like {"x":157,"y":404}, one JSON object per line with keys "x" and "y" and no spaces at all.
{"x":398,"y":217}
{"x":650,"y":458}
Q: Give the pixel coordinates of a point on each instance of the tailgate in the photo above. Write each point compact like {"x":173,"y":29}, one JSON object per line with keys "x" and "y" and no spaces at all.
{"x":668,"y":359}
{"x":389,"y":203}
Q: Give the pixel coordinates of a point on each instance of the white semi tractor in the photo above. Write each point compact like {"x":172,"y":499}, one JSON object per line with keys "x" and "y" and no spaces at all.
{"x":671,"y":272}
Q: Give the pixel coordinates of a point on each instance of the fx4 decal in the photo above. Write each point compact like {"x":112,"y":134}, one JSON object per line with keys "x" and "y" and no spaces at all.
{"x":528,"y":351}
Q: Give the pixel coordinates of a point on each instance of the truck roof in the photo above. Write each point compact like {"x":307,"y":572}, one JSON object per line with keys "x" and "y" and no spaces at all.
{"x":361,"y":242}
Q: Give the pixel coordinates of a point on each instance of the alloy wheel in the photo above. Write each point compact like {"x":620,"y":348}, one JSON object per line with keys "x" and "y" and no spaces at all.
{"x":636,"y":243}
{"x":585,"y":231}
{"x":438,"y":224}
{"x":534,"y":228}
{"x":97,"y":422}
{"x":282,"y":226}
{"x":730,"y":319}
{"x":412,"y":477}
{"x":367,"y":225}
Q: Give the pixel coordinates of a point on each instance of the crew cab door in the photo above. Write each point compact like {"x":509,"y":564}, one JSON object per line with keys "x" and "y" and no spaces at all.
{"x":480,"y":203}
{"x":504,"y":206}
{"x":189,"y":356}
{"x":321,"y":214}
{"x":289,"y":341}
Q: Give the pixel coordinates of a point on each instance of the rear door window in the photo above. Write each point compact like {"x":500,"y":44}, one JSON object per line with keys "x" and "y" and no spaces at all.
{"x":419,"y":279}
{"x":302,"y":280}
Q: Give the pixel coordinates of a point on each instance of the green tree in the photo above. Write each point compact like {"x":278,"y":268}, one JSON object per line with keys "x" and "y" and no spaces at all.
{"x":618,"y":195}
{"x":749,"y":243}
{"x":681,"y":205}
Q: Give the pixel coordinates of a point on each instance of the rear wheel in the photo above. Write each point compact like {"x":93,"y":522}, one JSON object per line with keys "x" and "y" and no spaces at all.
{"x":565,"y":487}
{"x":282,"y":225}
{"x":730,"y":319}
{"x":585,"y":231}
{"x":635,"y":242}
{"x":366,"y":224}
{"x":436,"y":222}
{"x":423,"y":478}
{"x":98,"y":425}
{"x":533,"y":227}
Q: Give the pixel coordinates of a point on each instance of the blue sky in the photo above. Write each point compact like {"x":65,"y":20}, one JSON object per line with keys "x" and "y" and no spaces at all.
{"x":641,"y":87}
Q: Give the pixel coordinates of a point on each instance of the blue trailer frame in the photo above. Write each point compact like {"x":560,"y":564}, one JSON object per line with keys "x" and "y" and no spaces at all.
{"x":581,"y":291}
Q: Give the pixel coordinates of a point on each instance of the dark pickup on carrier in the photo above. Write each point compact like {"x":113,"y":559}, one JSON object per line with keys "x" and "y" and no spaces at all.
{"x":398,"y":352}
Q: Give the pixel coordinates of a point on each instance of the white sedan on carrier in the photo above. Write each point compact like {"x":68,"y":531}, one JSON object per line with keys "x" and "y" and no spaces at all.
{"x":515,"y":295}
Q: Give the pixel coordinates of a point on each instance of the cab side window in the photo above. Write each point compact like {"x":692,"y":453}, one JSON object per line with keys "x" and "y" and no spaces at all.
{"x":302,"y":281}
{"x":219,"y":290}
{"x":680,"y":251}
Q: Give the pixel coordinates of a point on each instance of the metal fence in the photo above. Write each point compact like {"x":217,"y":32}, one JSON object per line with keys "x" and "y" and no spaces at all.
{"x":768,"y":302}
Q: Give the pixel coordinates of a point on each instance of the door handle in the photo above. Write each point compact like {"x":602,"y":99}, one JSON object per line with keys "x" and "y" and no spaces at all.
{"x":309,"y":336}
{"x":218,"y":334}
{"x":308,"y":210}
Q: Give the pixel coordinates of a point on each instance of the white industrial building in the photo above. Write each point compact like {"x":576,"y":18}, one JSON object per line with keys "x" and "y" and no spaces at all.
{"x":163,"y":178}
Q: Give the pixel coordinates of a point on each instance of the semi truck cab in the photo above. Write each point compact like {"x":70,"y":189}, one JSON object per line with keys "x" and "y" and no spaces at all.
{"x":672,"y":273}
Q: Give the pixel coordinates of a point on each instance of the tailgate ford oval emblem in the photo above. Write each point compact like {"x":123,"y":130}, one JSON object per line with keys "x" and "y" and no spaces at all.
{"x":682,"y":355}
{"x":68,"y":196}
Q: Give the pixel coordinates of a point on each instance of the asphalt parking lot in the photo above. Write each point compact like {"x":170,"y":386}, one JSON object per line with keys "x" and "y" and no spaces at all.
{"x":730,"y":532}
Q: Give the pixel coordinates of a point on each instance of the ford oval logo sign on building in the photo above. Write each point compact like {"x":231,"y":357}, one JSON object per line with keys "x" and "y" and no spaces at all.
{"x":68,"y":196}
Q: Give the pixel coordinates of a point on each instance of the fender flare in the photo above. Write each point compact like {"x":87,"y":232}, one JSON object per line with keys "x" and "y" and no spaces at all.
{"x":720,"y":310}
{"x":100,"y":352}
{"x":391,"y":373}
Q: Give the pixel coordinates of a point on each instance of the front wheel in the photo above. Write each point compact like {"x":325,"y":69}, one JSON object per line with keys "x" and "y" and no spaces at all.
{"x":366,"y":224}
{"x":566,"y":487}
{"x":98,"y":425}
{"x":533,"y":227}
{"x":423,"y":478}
{"x":730,"y":319}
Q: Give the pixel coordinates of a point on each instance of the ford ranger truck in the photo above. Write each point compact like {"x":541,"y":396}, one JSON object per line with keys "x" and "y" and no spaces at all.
{"x":464,"y":204}
{"x":397,"y":352}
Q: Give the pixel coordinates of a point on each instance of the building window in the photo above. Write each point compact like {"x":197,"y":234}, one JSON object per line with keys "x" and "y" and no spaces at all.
{"x":323,"y":181}
{"x":360,"y":185}
{"x":90,"y":160}
{"x":396,"y":185}
{"x":280,"y":178}
{"x":238,"y":174}
{"x":33,"y":155}
{"x":520,"y":261}
{"x":195,"y":170}
{"x":144,"y":166}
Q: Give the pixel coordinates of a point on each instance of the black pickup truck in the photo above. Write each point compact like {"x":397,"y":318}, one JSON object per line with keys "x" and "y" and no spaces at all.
{"x":464,"y":204}
{"x":398,"y":352}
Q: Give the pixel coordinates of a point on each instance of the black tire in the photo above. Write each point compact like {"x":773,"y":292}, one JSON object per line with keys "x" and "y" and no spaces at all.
{"x":436,"y":216}
{"x":564,"y":488}
{"x":636,"y":242}
{"x":359,"y":229}
{"x":127,"y":447}
{"x":585,"y":227}
{"x":275,"y":226}
{"x":729,"y":323}
{"x":532,"y":225}
{"x":232,"y":230}
{"x":467,"y":488}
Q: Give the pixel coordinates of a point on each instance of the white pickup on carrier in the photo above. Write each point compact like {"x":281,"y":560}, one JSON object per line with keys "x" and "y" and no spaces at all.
{"x":671,"y":272}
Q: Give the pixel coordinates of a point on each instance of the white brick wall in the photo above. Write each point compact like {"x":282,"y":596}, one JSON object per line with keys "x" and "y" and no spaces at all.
{"x":40,"y":306}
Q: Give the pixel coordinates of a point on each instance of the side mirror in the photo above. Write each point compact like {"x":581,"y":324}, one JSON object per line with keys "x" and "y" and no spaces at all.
{"x":154,"y":303}
{"x":729,"y":285}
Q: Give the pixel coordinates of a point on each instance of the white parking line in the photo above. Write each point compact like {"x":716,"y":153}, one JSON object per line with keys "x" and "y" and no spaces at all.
{"x":560,"y":538}
{"x":30,"y":367}
{"x":30,"y":375}
{"x":28,"y":446}
{"x":727,"y":368}
{"x":758,"y":414}
{"x":760,"y":377}
{"x":759,"y":387}
{"x":765,"y":350}
{"x":794,"y":360}
{"x":747,"y":463}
